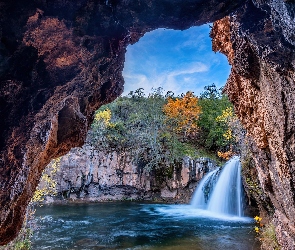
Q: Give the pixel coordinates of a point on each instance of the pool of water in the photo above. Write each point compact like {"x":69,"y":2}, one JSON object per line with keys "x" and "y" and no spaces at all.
{"x":128,"y":225}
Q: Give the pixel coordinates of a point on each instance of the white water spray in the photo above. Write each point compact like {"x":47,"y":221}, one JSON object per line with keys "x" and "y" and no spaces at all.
{"x":226,"y":196}
{"x":200,"y":197}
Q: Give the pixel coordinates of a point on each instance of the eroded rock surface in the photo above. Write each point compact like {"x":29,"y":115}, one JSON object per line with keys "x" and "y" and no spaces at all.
{"x":85,"y":174}
{"x":261,"y":87}
{"x":60,"y":60}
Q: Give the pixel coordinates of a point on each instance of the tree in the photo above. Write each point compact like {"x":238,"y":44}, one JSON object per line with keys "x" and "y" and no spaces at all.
{"x":211,"y":92}
{"x":184,"y":112}
{"x":213,"y":129}
{"x":137,"y":124}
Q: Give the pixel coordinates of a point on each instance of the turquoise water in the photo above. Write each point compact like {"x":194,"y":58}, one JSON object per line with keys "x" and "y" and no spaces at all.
{"x":130,"y":225}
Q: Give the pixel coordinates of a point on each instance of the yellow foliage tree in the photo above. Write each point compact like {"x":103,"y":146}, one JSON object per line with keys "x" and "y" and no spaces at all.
{"x":226,"y":155}
{"x":226,"y":115}
{"x":225,"y":118}
{"x":185,"y":112}
{"x":103,"y":116}
{"x":47,"y":184}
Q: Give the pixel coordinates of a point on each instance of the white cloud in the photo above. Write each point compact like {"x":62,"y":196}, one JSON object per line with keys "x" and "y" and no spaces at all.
{"x":133,"y":82}
{"x":176,"y":61}
{"x":172,"y":80}
{"x":195,"y":67}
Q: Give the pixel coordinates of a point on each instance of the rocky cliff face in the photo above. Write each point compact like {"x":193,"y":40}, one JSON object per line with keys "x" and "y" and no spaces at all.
{"x":260,"y":47}
{"x":87,"y":175}
{"x":60,"y":60}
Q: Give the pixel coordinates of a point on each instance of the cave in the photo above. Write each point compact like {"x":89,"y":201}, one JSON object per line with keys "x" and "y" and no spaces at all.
{"x":61,"y":60}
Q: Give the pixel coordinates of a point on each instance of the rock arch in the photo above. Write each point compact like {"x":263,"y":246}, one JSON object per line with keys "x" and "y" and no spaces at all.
{"x":61,"y":60}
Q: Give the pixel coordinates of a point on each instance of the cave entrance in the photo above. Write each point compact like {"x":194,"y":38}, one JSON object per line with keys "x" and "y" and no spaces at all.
{"x":176,"y":61}
{"x":120,"y":159}
{"x":134,"y":132}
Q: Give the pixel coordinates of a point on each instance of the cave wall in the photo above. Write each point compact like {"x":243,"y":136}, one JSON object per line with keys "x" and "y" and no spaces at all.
{"x":60,"y":60}
{"x":260,"y":47}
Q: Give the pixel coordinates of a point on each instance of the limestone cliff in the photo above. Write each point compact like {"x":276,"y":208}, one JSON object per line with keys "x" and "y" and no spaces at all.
{"x":60,"y":60}
{"x":87,"y":175}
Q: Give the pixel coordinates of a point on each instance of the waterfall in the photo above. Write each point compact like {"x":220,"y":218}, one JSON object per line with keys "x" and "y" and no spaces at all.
{"x":225,"y":190}
{"x":202,"y":192}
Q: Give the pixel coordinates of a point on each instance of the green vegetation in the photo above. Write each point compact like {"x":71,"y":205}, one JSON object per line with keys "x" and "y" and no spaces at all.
{"x":159,"y":130}
{"x":46,"y":187}
{"x":268,"y":237}
{"x":266,"y":234}
{"x":138,"y":125}
{"x":215,"y":132}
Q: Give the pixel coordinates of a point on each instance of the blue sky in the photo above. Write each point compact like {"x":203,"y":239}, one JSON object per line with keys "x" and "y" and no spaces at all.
{"x":178,"y":61}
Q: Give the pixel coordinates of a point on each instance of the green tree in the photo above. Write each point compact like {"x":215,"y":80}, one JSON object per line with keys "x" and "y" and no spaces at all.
{"x":137,"y":125}
{"x":212,"y":130}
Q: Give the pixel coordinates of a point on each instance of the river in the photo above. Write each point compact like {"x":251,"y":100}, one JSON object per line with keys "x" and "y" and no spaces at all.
{"x":132,"y":225}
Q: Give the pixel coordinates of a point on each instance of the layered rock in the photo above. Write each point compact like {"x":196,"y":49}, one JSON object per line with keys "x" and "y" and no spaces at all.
{"x":87,"y":175}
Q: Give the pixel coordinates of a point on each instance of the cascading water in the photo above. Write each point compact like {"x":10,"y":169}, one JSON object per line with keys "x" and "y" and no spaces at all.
{"x":225,"y":190}
{"x":202,"y":192}
{"x":141,"y":226}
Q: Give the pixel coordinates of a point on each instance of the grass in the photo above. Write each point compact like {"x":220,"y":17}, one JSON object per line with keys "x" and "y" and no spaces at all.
{"x":268,"y":238}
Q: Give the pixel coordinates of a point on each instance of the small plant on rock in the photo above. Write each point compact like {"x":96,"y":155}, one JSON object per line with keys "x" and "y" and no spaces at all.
{"x":266,"y":235}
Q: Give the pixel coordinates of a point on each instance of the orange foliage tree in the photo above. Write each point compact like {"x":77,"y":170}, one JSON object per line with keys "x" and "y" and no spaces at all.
{"x":184,"y":113}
